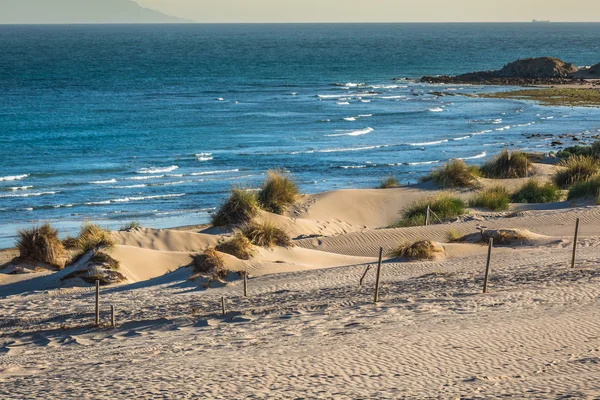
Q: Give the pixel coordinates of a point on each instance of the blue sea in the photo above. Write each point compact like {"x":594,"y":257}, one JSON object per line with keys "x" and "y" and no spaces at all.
{"x":156,"y":123}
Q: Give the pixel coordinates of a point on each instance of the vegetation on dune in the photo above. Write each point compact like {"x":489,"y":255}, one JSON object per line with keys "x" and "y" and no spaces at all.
{"x":211,"y":263}
{"x":452,"y":235}
{"x":535,"y":192}
{"x":421,"y":250}
{"x":455,"y":173}
{"x":588,"y":188}
{"x":495,"y":198}
{"x":591,"y":151}
{"x":553,"y":96}
{"x":444,"y":205}
{"x":576,"y":169}
{"x":93,"y":237}
{"x":238,"y":246}
{"x":41,"y":243}
{"x":389,"y":182}
{"x":100,"y":267}
{"x":507,"y":165}
{"x":240,"y":208}
{"x":131,"y":226}
{"x":278,"y":192}
{"x":266,"y":234}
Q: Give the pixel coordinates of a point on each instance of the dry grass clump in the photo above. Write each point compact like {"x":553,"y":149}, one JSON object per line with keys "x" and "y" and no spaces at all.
{"x":278,"y":192}
{"x":587,"y":188}
{"x":92,"y":237}
{"x":576,"y":169}
{"x":130,"y":226}
{"x":240,"y":208}
{"x":504,"y":236}
{"x":443,"y":205}
{"x":211,"y":263}
{"x":452,"y":235}
{"x":507,"y":165}
{"x":389,"y":182}
{"x":455,"y":173}
{"x":535,"y":192}
{"x":238,"y":246}
{"x":100,"y":267}
{"x":422,"y":250}
{"x":266,"y":234}
{"x":495,"y":198}
{"x":41,"y":243}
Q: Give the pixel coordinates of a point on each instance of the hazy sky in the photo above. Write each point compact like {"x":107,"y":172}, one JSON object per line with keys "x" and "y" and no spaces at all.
{"x":377,"y":10}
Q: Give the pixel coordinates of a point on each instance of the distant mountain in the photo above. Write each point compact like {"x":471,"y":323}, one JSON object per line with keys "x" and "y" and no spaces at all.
{"x":79,"y":11}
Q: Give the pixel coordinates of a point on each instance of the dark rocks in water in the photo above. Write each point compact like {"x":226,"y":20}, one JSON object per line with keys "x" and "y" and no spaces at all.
{"x":589,"y":73}
{"x":528,"y":71}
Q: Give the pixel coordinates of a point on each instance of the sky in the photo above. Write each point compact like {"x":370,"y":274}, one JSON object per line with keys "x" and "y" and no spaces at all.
{"x":378,"y":10}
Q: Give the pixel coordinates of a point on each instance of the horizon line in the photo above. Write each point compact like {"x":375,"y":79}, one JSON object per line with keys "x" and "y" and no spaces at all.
{"x":530,"y":22}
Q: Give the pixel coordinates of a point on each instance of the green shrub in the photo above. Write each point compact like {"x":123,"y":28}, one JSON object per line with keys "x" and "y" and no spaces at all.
{"x":536,"y":192}
{"x":507,"y":165}
{"x":41,"y":243}
{"x":278,"y":192}
{"x":266,"y":234}
{"x":422,"y":250}
{"x":444,"y":205}
{"x":495,"y":198}
{"x":238,"y":246}
{"x":390,"y":182}
{"x":240,"y":208}
{"x":587,"y":188}
{"x":455,"y":173}
{"x":590,"y":151}
{"x":576,"y":169}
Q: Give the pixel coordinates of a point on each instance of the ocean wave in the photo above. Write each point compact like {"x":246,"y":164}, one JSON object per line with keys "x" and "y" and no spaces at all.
{"x":497,"y":121}
{"x":365,"y":101}
{"x":435,"y":109}
{"x":387,"y":86}
{"x":350,"y":119}
{"x":480,"y":155}
{"x":15,"y":188}
{"x":143,"y":178}
{"x":329,"y":96}
{"x":359,"y":132}
{"x":141,"y":185}
{"x":224,"y":171}
{"x":13,"y":178}
{"x":462,"y":137}
{"x":483,"y":132}
{"x":35,"y":194}
{"x":342,"y":103}
{"x":393,"y":97}
{"x":428,"y":143}
{"x":204,"y":154}
{"x":353,"y":166}
{"x":168,"y":183}
{"x":503,"y":128}
{"x":156,"y":170}
{"x":103,"y":182}
{"x":204,"y":158}
{"x":139,"y":198}
{"x":364,"y":115}
{"x":423,"y":162}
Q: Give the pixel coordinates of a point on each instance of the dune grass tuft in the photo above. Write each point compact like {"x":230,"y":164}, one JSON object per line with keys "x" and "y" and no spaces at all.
{"x":266,"y":234}
{"x":590,"y":187}
{"x":389,"y":182}
{"x":130,"y":226}
{"x":41,"y":243}
{"x":93,"y":237}
{"x":238,"y":246}
{"x":455,"y":173}
{"x":507,"y":165}
{"x":495,"y":198}
{"x":452,"y":235}
{"x":421,"y":250}
{"x":535,"y":192}
{"x":211,"y":263}
{"x":240,"y":208}
{"x":278,"y":192}
{"x":444,"y":205}
{"x":576,"y":169}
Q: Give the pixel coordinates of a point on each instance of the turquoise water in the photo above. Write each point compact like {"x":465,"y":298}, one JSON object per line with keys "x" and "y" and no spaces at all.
{"x":156,"y":123}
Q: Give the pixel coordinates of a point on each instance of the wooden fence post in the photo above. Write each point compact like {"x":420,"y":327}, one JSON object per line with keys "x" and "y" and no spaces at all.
{"x":112,"y":317}
{"x":362,"y":278}
{"x":223,"y":305}
{"x":97,"y":303}
{"x":245,"y":283}
{"x":378,"y":275}
{"x":487,"y":267}
{"x":428,"y":216}
{"x":575,"y":243}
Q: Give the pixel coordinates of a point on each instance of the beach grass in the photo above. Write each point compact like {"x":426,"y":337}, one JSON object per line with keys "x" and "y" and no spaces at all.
{"x":238,"y":246}
{"x":444,"y":205}
{"x":132,"y":225}
{"x":41,"y":243}
{"x":278,"y":192}
{"x":421,"y":250}
{"x":496,"y":198}
{"x":211,"y":263}
{"x":389,"y":182}
{"x":588,"y":188}
{"x":455,"y":173}
{"x":507,"y":165}
{"x":580,"y":97}
{"x":240,"y":208}
{"x":576,"y":169}
{"x":534,"y":191}
{"x":92,"y":237}
{"x":266,"y":234}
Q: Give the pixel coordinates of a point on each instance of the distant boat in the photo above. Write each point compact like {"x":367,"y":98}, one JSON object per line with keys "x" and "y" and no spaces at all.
{"x":535,"y":21}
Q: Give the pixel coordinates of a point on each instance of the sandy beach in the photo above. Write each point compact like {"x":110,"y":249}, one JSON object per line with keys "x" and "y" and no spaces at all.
{"x":307,"y":329}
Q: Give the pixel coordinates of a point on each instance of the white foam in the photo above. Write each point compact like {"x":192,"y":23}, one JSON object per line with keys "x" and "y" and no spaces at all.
{"x":328,"y":96}
{"x":480,"y":155}
{"x":350,"y":119}
{"x":365,"y":115}
{"x":35,"y":194}
{"x":104,"y":182}
{"x":225,"y":171}
{"x":140,"y":198}
{"x":342,"y":103}
{"x":462,"y":137}
{"x":428,"y":143}
{"x":503,"y":128}
{"x":424,"y":162}
{"x":157,"y":170}
{"x":393,"y":97}
{"x":365,"y":101}
{"x":436,"y":109}
{"x":353,"y":133}
{"x":353,"y":166}
{"x":15,"y":188}
{"x":129,"y":186}
{"x":13,"y":178}
{"x":204,"y":154}
{"x":350,"y":84}
{"x":143,"y":178}
{"x":204,"y":158}
{"x":497,"y":121}
{"x":483,"y":132}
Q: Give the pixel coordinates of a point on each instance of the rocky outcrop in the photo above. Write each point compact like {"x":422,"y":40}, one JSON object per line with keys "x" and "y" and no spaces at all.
{"x":528,"y":71}
{"x":589,"y":73}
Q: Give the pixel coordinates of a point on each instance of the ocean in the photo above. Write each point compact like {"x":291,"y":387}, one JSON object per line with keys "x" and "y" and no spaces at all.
{"x":155,"y":123}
